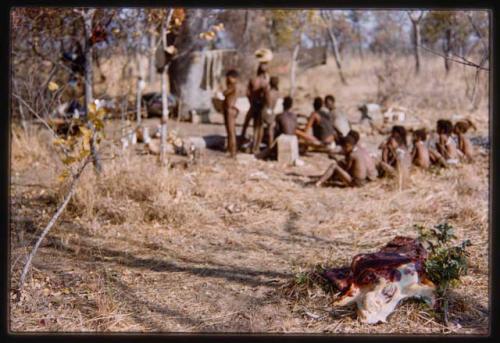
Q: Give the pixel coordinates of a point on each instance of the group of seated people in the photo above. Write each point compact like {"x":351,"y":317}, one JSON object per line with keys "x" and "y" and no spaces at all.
{"x":449,"y":147}
{"x":331,"y":133}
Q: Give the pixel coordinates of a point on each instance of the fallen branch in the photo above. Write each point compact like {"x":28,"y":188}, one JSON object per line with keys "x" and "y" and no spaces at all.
{"x":49,"y":226}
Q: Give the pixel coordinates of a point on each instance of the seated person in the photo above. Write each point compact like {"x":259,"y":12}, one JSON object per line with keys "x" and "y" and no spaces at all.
{"x":321,"y":124}
{"x":420,"y":153}
{"x":370,"y":163}
{"x":387,"y":152}
{"x":446,"y":146}
{"x":399,"y":161}
{"x":464,"y":144}
{"x":353,"y":171}
{"x":340,"y":123}
{"x":285,"y":123}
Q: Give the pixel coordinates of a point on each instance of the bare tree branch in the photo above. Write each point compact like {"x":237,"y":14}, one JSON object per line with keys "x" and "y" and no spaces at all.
{"x":477,"y":31}
{"x":462,"y":60}
{"x":51,"y":223}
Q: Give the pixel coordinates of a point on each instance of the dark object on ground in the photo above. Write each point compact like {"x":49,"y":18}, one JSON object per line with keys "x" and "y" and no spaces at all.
{"x":154,"y":105}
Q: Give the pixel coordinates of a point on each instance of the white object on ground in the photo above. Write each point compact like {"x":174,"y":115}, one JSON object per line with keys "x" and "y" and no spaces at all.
{"x":299,"y":163}
{"x":124,"y":142}
{"x":258,"y":175}
{"x":133,"y":138}
{"x":288,"y":149}
{"x":395,"y":114}
{"x":377,"y":301}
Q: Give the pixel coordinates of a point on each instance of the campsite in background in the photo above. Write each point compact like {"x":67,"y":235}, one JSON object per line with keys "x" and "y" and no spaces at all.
{"x":249,"y":170}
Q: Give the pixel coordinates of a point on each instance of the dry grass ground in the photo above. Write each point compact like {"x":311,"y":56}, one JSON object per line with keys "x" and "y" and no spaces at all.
{"x":207,"y":248}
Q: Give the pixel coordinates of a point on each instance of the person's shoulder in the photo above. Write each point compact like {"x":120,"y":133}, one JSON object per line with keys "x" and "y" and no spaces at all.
{"x":357,"y":156}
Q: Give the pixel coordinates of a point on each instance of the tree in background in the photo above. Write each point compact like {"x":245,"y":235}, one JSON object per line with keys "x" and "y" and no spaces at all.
{"x":40,"y":40}
{"x":331,"y":19}
{"x":356,"y":19}
{"x":416,"y":18}
{"x":288,"y":28}
{"x":387,"y":33}
{"x":450,"y":29}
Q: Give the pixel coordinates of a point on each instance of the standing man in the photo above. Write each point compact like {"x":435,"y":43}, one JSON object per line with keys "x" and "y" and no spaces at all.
{"x":230,"y":111}
{"x":268,"y":114}
{"x":256,"y":93}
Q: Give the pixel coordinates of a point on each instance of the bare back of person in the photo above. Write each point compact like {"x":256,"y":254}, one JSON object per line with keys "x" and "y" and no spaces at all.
{"x":465,"y":146}
{"x":286,"y":123}
{"x":356,"y":167}
{"x":371,"y":168}
{"x":448,"y":149}
{"x":421,"y":157}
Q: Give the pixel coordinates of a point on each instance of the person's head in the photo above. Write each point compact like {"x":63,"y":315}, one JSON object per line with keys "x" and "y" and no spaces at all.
{"x":232,"y":76}
{"x":399,"y":130}
{"x":444,"y":127}
{"x":462,"y":126}
{"x":287,"y":103}
{"x":419,"y":135}
{"x":348,"y":143}
{"x":330,"y":102}
{"x":262,"y":69}
{"x":396,"y":141}
{"x":274,"y":82}
{"x":317,"y":103}
{"x":354,"y":134}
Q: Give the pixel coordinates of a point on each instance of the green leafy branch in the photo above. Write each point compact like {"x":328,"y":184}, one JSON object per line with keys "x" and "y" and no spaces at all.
{"x":446,"y":262}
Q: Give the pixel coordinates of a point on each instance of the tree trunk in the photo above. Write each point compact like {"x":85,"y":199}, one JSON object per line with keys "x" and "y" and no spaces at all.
{"x":293,"y":69}
{"x":360,"y":43}
{"x":164,"y":98}
{"x":416,"y":45}
{"x":447,"y":51}
{"x":245,"y":28}
{"x":21,"y":108}
{"x":152,"y":49}
{"x":140,"y":85}
{"x":164,"y":115}
{"x":89,"y":97}
{"x":122,"y":116}
{"x":336,"y":55}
